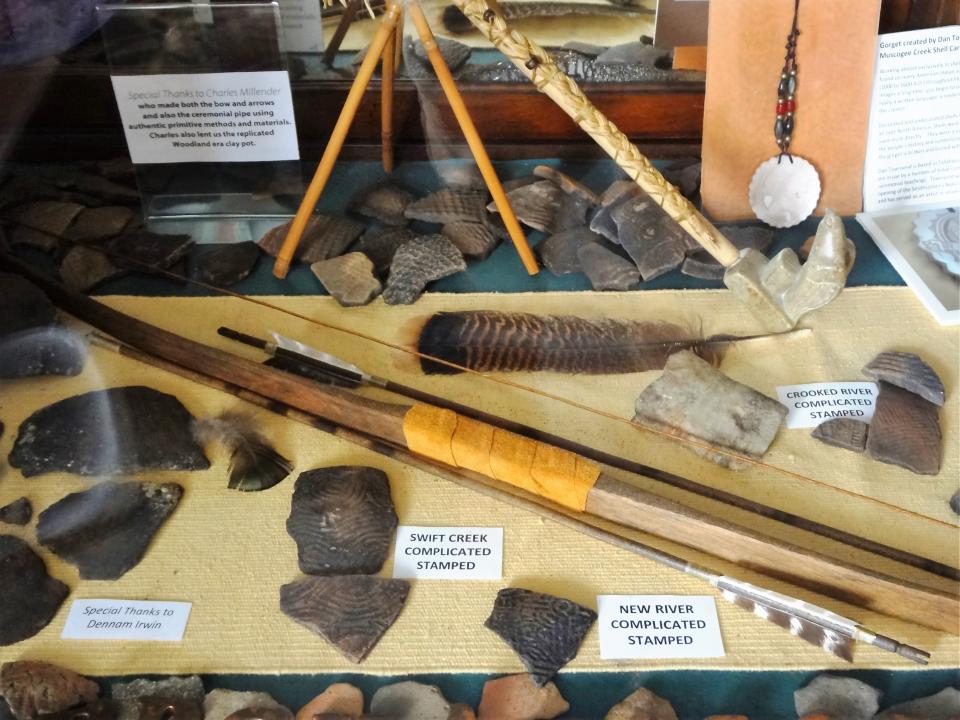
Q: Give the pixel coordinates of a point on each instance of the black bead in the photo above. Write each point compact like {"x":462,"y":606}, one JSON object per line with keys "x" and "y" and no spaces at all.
{"x":792,"y":85}
{"x":532,"y":63}
{"x":489,"y":16}
{"x":778,"y":128}
{"x":788,"y":124}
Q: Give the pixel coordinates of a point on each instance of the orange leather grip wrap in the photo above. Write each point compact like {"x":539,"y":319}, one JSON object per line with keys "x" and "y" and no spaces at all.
{"x":544,"y":470}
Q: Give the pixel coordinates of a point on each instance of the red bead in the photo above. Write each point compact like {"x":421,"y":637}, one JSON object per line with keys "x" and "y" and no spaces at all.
{"x":791,"y":105}
{"x":781,"y":107}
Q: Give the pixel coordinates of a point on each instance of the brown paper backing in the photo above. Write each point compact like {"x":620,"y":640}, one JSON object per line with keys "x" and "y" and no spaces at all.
{"x":836,"y":52}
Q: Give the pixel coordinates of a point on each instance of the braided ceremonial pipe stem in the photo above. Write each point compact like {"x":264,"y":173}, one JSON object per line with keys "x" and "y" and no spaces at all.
{"x":534,"y":62}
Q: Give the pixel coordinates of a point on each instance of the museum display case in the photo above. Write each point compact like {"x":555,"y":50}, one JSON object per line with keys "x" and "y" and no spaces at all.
{"x":517,"y":359}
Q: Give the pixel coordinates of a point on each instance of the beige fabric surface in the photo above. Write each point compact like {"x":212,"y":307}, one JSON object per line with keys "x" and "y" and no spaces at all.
{"x":228,"y":552}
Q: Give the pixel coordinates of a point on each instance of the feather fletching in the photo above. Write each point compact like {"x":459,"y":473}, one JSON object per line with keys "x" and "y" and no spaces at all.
{"x":254,"y":463}
{"x":485,"y":340}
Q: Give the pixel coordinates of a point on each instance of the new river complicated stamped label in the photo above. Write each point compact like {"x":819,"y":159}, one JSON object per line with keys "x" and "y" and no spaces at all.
{"x":813,"y":403}
{"x":126,"y":620}
{"x":658,"y":626}
{"x":448,"y":553}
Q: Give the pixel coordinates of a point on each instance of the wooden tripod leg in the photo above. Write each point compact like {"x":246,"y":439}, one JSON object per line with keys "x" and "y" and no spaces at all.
{"x":387,"y":72}
{"x":282,"y":265}
{"x":472,"y":137}
{"x":346,"y":19}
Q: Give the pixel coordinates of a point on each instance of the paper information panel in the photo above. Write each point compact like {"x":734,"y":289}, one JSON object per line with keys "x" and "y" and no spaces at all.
{"x":811,"y":404}
{"x":448,"y":553}
{"x":126,"y":620}
{"x":302,"y":25}
{"x":207,"y":117}
{"x":913,"y":141}
{"x":653,"y":627}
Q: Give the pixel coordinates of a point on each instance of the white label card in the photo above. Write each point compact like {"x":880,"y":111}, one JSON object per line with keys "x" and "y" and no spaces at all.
{"x":126,"y":620}
{"x":448,"y":553}
{"x":207,"y":117}
{"x":302,"y":25}
{"x":811,"y":404}
{"x":653,"y":627}
{"x":913,"y":140}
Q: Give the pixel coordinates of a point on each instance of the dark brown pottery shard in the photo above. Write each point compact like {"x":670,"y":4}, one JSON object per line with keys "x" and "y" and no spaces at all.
{"x":146,"y":251}
{"x":118,"y":169}
{"x":31,"y":341}
{"x":559,"y":251}
{"x":23,"y":235}
{"x":454,"y":53}
{"x":700,"y":264}
{"x":567,"y":184}
{"x":539,"y":206}
{"x":418,"y":263}
{"x":385,"y":202}
{"x":380,"y":245}
{"x":472,"y":239}
{"x":19,"y":512}
{"x":695,"y":401}
{"x":685,"y":176}
{"x":83,"y":269}
{"x":49,"y":216}
{"x":544,"y":630}
{"x":652,"y":238}
{"x":905,"y":431}
{"x":101,"y":223}
{"x":228,"y":264}
{"x":324,"y":237}
{"x":30,"y":597}
{"x":351,"y":611}
{"x":342,"y":519}
{"x":348,"y":278}
{"x":606,"y":269}
{"x":105,"y":530}
{"x":119,"y":430}
{"x":103,"y":188}
{"x":844,"y":433}
{"x":616,"y":194}
{"x":447,"y":206}
{"x":33,"y":688}
{"x":908,"y":371}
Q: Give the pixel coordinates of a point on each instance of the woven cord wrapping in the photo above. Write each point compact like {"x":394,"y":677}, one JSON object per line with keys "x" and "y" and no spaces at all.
{"x":544,"y":470}
{"x":559,"y":87}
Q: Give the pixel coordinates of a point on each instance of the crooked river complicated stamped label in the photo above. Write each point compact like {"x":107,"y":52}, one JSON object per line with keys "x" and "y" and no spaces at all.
{"x":448,"y":553}
{"x":658,"y":626}
{"x":102,"y":619}
{"x":811,"y":404}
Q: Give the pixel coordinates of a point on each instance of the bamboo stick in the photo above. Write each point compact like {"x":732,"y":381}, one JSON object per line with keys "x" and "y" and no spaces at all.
{"x":384,"y":32}
{"x":387,"y":72}
{"x":473,"y":138}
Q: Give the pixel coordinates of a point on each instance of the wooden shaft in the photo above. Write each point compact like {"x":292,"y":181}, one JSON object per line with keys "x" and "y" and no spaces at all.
{"x":387,"y":72}
{"x":628,"y":505}
{"x":289,"y":248}
{"x":473,"y":138}
{"x":536,"y":64}
{"x":349,"y":13}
